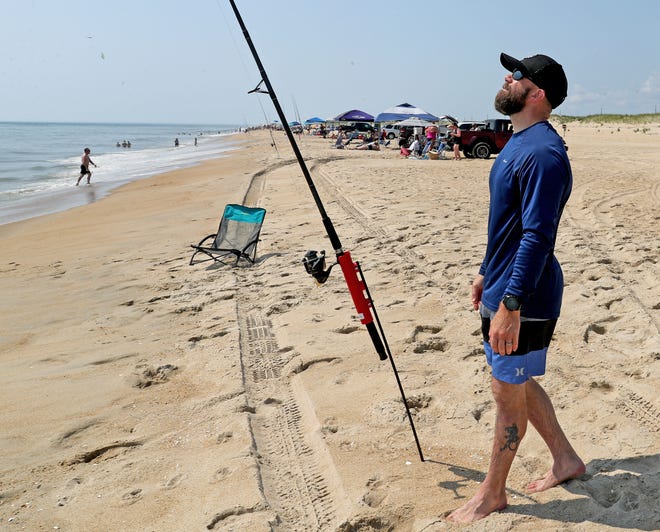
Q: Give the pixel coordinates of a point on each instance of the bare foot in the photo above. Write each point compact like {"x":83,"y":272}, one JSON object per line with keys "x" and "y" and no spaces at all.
{"x":556,"y":476}
{"x":476,"y":508}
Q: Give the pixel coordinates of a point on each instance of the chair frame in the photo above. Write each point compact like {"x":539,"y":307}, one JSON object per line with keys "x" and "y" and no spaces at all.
{"x":217,"y":254}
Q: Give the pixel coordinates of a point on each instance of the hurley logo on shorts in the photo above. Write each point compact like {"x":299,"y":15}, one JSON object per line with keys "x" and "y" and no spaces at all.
{"x":520,"y":372}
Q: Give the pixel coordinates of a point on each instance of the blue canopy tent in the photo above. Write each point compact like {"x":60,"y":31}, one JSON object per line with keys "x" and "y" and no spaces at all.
{"x":314,"y":120}
{"x":296,"y":126}
{"x":403,"y":111}
{"x":354,"y":115}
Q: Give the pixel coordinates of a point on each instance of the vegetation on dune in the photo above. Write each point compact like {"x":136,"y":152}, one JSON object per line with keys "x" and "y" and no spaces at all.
{"x":609,"y":119}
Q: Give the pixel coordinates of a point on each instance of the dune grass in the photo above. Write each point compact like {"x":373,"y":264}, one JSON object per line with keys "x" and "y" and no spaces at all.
{"x":610,"y":119}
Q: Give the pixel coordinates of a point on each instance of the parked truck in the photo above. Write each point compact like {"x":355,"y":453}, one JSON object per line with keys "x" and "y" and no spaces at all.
{"x":486,"y":139}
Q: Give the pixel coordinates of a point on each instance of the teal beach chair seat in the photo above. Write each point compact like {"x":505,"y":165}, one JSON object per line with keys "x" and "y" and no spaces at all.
{"x":238,"y":235}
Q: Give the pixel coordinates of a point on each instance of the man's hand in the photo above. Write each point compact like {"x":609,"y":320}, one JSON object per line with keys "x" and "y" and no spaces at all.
{"x":477,"y":290}
{"x":504,"y":330}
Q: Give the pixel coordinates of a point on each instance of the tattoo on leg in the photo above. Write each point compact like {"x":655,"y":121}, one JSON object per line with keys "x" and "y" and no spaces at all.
{"x":512,"y":438}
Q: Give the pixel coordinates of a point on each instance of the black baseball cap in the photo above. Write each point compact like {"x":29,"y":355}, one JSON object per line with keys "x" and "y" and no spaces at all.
{"x":544,"y":71}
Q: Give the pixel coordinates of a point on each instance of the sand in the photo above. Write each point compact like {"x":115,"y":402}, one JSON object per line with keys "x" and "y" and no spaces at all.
{"x":140,"y":393}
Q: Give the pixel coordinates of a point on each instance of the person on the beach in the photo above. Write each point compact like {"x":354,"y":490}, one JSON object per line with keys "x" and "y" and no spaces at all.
{"x":431,"y":133}
{"x":414,"y":147}
{"x":456,"y":137}
{"x":518,"y":290}
{"x":339,"y":143}
{"x":84,"y":166}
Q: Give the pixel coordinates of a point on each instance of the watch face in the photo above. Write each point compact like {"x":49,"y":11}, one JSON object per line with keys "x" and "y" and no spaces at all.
{"x":511,"y":302}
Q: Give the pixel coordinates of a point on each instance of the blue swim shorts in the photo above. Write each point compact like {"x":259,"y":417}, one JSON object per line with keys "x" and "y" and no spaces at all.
{"x":526,"y":361}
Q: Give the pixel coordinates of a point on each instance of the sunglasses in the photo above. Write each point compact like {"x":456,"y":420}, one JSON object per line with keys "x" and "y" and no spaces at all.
{"x":517,"y":75}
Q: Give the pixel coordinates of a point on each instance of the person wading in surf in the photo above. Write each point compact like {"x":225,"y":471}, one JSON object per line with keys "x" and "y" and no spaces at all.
{"x":85,"y":161}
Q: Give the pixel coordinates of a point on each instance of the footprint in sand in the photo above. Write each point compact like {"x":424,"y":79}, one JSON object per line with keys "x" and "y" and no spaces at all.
{"x":58,"y":269}
{"x":189,"y":309}
{"x":221,"y":474}
{"x":63,"y":500}
{"x":73,"y":483}
{"x":431,"y":344}
{"x":106,"y":452}
{"x":70,"y":486}
{"x":346,"y":329}
{"x":224,"y":437}
{"x":421,"y":330}
{"x":593,"y":328}
{"x":131,"y":497}
{"x":150,"y":376}
{"x":478,"y":411}
{"x":419,"y":401}
{"x":425,"y":338}
{"x":281,"y":308}
{"x":70,"y":435}
{"x":374,"y":497}
{"x":330,"y":426}
{"x":174,"y":481}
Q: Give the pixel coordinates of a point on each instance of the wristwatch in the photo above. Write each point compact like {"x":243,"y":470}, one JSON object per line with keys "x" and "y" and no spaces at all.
{"x":511,"y":302}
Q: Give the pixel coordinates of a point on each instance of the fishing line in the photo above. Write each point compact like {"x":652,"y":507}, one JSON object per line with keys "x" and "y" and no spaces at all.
{"x":295,"y":106}
{"x":314,"y":261}
{"x":247,"y":76}
{"x":270,"y":129}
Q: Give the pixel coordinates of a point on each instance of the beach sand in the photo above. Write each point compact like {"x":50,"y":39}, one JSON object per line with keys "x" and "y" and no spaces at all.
{"x":140,"y":393}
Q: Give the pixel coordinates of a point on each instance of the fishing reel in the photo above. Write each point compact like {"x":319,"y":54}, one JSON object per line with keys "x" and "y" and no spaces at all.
{"x":314,"y":262}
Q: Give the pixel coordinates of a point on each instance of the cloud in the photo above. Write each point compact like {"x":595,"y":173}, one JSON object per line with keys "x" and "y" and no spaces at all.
{"x":582,"y":100}
{"x":578,"y":94}
{"x":651,"y":85}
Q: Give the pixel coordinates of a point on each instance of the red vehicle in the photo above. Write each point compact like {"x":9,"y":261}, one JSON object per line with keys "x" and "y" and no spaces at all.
{"x":485,"y":140}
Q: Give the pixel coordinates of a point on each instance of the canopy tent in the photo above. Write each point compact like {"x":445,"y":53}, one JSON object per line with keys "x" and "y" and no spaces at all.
{"x":403,"y":111}
{"x":413,"y":121}
{"x":354,"y":115}
{"x":314,"y":120}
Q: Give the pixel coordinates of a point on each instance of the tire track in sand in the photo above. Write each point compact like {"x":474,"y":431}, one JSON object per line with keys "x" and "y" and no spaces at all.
{"x":298,"y":478}
{"x":290,"y":465}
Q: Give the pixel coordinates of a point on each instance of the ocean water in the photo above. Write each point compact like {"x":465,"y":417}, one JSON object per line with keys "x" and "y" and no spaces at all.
{"x":40,"y":162}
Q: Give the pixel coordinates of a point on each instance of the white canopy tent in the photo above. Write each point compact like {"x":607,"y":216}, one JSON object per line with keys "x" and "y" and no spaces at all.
{"x":413,"y":121}
{"x":403,"y":111}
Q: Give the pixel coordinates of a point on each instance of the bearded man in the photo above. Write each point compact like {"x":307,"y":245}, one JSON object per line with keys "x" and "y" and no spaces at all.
{"x":519,"y":287}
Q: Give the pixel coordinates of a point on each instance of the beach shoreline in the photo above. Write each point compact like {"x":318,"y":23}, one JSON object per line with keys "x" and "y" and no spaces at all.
{"x":140,"y":392}
{"x":105,"y":180}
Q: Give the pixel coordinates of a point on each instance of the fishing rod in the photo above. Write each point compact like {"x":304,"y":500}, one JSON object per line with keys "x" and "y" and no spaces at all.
{"x":314,"y":261}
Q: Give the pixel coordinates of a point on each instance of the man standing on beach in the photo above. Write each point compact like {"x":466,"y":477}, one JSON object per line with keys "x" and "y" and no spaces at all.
{"x":84,"y":166}
{"x":519,"y":287}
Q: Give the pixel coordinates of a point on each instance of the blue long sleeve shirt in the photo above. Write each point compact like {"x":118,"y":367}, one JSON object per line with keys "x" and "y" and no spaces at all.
{"x":530,"y":183}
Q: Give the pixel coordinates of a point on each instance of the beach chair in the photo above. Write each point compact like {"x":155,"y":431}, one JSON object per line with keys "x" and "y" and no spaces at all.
{"x":238,"y":235}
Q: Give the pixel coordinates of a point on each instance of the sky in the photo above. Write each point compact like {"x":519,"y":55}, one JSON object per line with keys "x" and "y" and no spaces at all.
{"x":187,"y":62}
